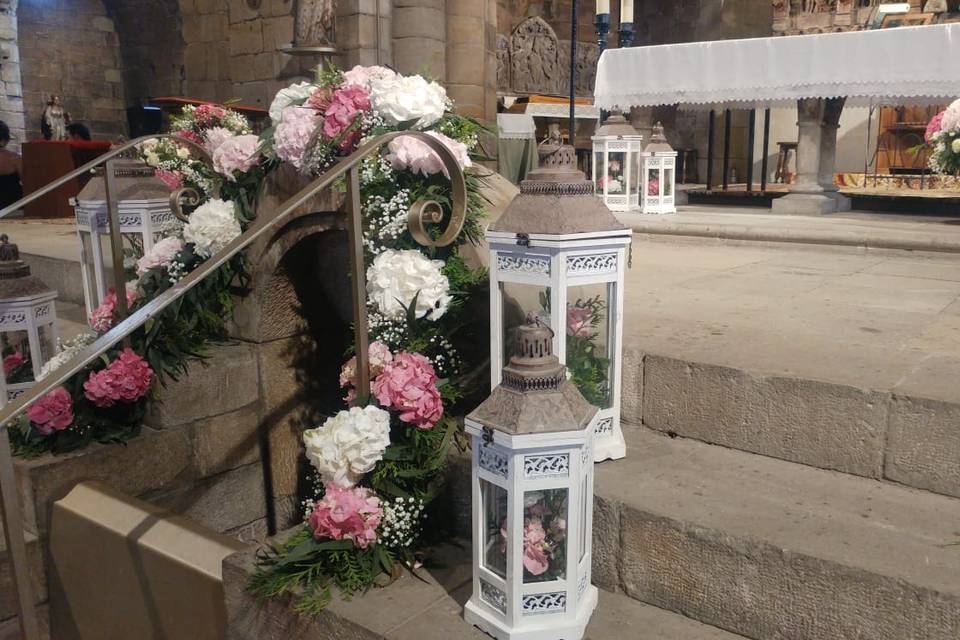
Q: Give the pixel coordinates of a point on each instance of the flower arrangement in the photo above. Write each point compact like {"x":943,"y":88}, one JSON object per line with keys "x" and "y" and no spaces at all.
{"x":942,"y":138}
{"x":587,"y":362}
{"x":544,"y":531}
{"x":380,"y":464}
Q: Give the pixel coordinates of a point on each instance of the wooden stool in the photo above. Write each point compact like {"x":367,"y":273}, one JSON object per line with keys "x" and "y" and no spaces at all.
{"x":783,"y":160}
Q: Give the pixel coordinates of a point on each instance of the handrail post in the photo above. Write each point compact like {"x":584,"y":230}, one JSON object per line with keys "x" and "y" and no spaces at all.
{"x":116,"y":240}
{"x":358,"y":278}
{"x":16,"y":545}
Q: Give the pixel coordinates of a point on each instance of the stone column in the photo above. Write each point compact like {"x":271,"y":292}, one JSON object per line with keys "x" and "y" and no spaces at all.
{"x":420,"y":37}
{"x":471,"y":57}
{"x":11,"y":88}
{"x":807,"y":196}
{"x":358,"y":30}
{"x":832,"y":109}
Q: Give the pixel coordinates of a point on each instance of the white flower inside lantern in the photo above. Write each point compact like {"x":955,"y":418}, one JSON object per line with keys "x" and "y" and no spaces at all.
{"x":559,"y":253}
{"x":532,"y":499}
{"x":28,"y":323}
{"x":616,"y":163}
{"x":660,"y":174}
{"x":143,"y":207}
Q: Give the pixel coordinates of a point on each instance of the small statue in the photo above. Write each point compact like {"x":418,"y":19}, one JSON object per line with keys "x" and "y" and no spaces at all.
{"x":315,"y":20}
{"x":554,"y":137}
{"x":54,"y":120}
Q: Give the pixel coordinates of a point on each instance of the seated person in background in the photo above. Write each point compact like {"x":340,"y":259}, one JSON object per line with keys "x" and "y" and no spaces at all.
{"x":78,"y":131}
{"x":11,"y":189}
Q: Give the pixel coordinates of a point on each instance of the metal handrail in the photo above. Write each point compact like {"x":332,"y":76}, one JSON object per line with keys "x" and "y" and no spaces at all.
{"x":422,"y":213}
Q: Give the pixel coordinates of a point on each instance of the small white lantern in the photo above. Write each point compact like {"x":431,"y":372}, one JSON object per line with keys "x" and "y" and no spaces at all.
{"x":660,"y":174}
{"x":143,"y":206}
{"x":616,"y":163}
{"x":557,"y":252}
{"x":532,"y":500}
{"x":28,"y":323}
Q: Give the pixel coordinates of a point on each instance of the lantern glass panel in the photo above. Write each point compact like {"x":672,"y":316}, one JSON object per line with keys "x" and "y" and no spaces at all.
{"x":47,"y":346}
{"x":545,"y":535}
{"x":668,"y":181}
{"x":518,"y":300}
{"x":588,"y":341}
{"x":494,"y":500}
{"x":616,"y":169}
{"x":653,"y":182}
{"x":17,"y":367}
{"x":599,"y":170}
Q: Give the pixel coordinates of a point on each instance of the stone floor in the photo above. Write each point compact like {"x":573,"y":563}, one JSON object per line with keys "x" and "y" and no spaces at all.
{"x":874,"y":319}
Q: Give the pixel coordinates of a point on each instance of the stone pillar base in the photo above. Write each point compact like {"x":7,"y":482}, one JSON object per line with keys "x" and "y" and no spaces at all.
{"x":811,"y":204}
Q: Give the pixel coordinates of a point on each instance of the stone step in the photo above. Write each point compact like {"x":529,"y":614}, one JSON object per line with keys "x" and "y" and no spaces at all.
{"x":429,"y":609}
{"x":774,"y":550}
{"x":906,"y":434}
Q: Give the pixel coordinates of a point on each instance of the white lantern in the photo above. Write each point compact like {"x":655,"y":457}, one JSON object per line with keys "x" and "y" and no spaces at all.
{"x":616,"y":163}
{"x":557,"y":252}
{"x":660,"y":174}
{"x":143,"y":207}
{"x":28,"y":323}
{"x":532,"y":500}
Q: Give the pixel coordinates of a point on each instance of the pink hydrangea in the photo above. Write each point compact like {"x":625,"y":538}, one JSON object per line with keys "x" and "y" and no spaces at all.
{"x":173,"y":179}
{"x":933,"y":127}
{"x":12,"y":362}
{"x":345,"y":105}
{"x":126,"y":379}
{"x":320,"y":99}
{"x":379,"y":355}
{"x":101,"y":320}
{"x":408,"y":384}
{"x":410,"y":154}
{"x":579,"y":321}
{"x":653,"y":187}
{"x":208,"y":115}
{"x":363,"y":76}
{"x":239,"y":153}
{"x":951,"y":117}
{"x":52,"y":412}
{"x":536,"y":549}
{"x":160,"y":255}
{"x":216,"y":136}
{"x":192,"y":136}
{"x":294,"y":133}
{"x":347,"y":514}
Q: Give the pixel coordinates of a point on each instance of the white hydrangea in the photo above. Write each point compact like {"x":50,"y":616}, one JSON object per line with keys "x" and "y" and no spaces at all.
{"x":212,"y":227}
{"x":395,"y":277}
{"x":349,"y":444}
{"x":408,"y":98}
{"x":294,"y":94}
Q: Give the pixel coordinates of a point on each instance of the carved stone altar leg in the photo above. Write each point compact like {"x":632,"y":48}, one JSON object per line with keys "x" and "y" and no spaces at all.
{"x":807,"y":196}
{"x":832,"y":109}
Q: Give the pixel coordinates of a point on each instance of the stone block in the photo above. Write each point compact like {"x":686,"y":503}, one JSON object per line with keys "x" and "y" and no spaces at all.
{"x":223,"y":502}
{"x":208,"y":7}
{"x":195,"y":61}
{"x":277,"y":33}
{"x":465,"y":66}
{"x":816,"y":423}
{"x":761,"y":591}
{"x":350,"y":7}
{"x":153,"y":461}
{"x":192,"y":28}
{"x":216,"y":28}
{"x":430,"y":4}
{"x":102,"y":23}
{"x":420,"y":55}
{"x":113,"y":75}
{"x":241,"y":68}
{"x":923,"y":444}
{"x":264,"y":66}
{"x":246,"y":37}
{"x":226,"y":381}
{"x":606,"y":544}
{"x":419,"y":22}
{"x":465,"y":31}
{"x":227,"y":441}
{"x":359,"y":30}
{"x":631,"y":389}
{"x":272,"y":8}
{"x":240,"y":11}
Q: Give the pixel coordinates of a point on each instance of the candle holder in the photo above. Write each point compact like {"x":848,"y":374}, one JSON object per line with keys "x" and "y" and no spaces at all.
{"x":626,"y":34}
{"x":603,"y":30}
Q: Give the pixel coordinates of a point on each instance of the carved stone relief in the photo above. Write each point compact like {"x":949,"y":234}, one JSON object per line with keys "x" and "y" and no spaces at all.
{"x":534,"y":55}
{"x":503,"y":63}
{"x":588,"y":54}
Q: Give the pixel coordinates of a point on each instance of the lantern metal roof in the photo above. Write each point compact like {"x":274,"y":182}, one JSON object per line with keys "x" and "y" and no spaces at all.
{"x":617,"y":126}
{"x":16,"y":283}
{"x":658,"y":141}
{"x":136,"y":182}
{"x":557,"y":199}
{"x":535,"y":396}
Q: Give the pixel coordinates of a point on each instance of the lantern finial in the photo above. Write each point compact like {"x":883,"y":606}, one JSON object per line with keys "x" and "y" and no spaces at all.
{"x":11,"y":266}
{"x":658,"y":140}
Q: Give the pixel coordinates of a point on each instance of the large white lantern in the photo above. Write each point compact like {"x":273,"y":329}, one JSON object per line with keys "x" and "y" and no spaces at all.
{"x":660,"y":174}
{"x":557,"y":252}
{"x":532,"y":500}
{"x":616,"y":163}
{"x":28,"y":323}
{"x":143,"y":207}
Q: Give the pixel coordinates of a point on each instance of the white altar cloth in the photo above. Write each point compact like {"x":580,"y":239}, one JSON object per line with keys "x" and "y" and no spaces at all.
{"x":908,"y":65}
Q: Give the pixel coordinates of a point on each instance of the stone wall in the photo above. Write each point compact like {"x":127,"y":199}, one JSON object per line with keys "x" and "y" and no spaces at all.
{"x":71,"y":48}
{"x":11,"y":89}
